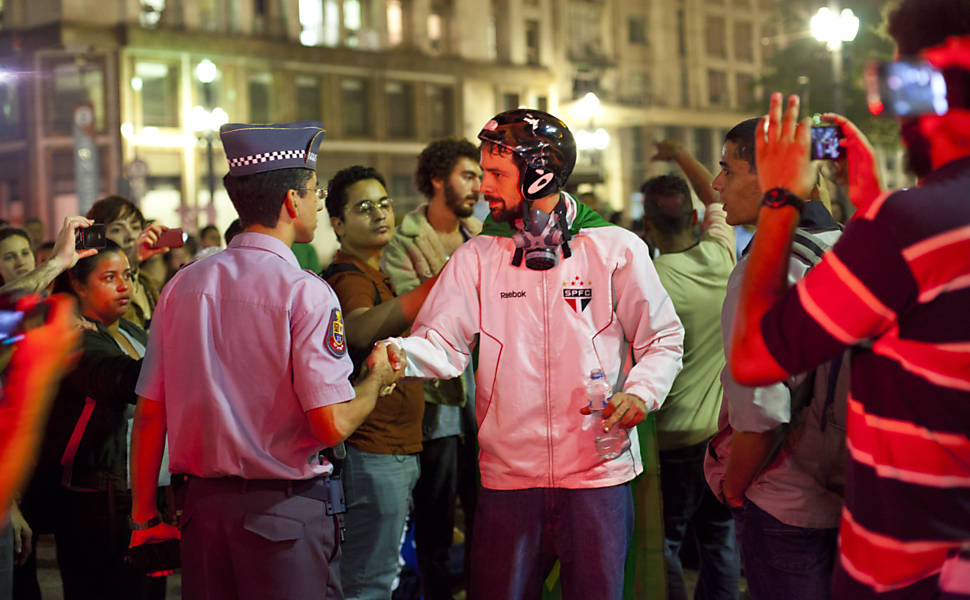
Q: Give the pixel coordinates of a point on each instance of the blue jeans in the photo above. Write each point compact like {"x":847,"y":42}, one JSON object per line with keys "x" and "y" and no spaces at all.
{"x":519,"y":534}
{"x":687,"y":500}
{"x":784,"y":561}
{"x":378,"y":490}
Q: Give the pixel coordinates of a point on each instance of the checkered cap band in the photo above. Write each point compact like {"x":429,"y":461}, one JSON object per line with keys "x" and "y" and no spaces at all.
{"x":264,"y":157}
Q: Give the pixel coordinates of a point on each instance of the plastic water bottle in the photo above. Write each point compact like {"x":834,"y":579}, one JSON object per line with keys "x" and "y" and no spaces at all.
{"x":612,"y":443}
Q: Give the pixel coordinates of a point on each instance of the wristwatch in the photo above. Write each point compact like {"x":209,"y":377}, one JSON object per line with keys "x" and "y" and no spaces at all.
{"x":779,"y":196}
{"x":136,"y":526}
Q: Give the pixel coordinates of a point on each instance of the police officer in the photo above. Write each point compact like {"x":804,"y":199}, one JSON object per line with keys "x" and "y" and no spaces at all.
{"x":247,"y":370}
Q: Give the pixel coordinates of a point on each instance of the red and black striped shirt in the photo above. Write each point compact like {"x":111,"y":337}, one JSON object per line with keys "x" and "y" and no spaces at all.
{"x":896,"y":285}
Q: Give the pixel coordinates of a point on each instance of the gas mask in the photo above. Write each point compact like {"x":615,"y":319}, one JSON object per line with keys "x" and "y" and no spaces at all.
{"x":540,"y":236}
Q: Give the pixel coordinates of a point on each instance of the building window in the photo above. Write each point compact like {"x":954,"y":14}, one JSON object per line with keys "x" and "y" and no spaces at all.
{"x":438,"y":20}
{"x":395,"y":23}
{"x":717,"y":93}
{"x":156,"y":85}
{"x":352,"y":22}
{"x":638,"y":88}
{"x":71,"y":85}
{"x":150,"y":15}
{"x":586,"y":29}
{"x":745,"y":84}
{"x":441,"y":111}
{"x":636,"y":30}
{"x":399,"y":97}
{"x":684,"y":87}
{"x":702,"y":147}
{"x":259,"y":98}
{"x":10,"y":120}
{"x":714,"y":36}
{"x":311,"y":22}
{"x":744,"y":41}
{"x":532,"y":41}
{"x":681,"y":33}
{"x":510,"y":101}
{"x":354,"y":106}
{"x":542,"y":103}
{"x":308,"y":99}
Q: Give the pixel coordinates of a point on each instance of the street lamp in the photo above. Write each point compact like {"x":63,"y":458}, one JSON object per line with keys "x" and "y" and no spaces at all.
{"x":833,"y":27}
{"x":590,"y":138}
{"x":206,"y":121}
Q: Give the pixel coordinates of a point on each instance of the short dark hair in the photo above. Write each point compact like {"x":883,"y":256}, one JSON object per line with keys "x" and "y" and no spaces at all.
{"x":234,"y":229}
{"x":668,"y":219}
{"x":742,"y":135}
{"x":8,"y":232}
{"x":438,"y":159}
{"x":112,"y":208}
{"x":206,"y":229}
{"x":337,"y":187}
{"x":83,"y":268}
{"x":259,"y":197}
{"x":916,"y":25}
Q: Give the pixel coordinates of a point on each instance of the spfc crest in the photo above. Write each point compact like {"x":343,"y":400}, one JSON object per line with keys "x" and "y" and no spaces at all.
{"x":576,"y":295}
{"x":335,"y":343}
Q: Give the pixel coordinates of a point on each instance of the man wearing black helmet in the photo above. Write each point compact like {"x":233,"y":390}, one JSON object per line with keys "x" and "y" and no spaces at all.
{"x":554,"y":292}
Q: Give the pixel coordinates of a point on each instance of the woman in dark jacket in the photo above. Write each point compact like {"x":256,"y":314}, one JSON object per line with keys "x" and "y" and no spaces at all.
{"x":86,"y":446}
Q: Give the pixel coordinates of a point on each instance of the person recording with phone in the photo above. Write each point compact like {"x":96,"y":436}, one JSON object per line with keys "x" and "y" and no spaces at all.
{"x":125,"y":226}
{"x":64,"y":256}
{"x":80,"y":490}
{"x":894,"y":290}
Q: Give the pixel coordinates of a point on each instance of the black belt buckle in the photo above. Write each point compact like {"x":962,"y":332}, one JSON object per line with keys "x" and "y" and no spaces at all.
{"x":335,"y":502}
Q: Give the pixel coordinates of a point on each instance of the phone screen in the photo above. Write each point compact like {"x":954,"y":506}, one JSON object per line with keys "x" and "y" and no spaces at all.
{"x":825,"y":142}
{"x":907,"y":88}
{"x":10,"y":321}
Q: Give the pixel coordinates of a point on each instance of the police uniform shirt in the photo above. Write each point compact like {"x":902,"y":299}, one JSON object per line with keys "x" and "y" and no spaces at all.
{"x":243,"y":343}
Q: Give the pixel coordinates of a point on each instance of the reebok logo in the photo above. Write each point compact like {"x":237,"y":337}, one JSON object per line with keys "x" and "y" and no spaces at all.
{"x":512,"y":294}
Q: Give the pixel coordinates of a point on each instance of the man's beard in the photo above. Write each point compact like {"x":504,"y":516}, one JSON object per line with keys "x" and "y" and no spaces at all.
{"x":918,"y":161}
{"x":503,"y":215}
{"x":456,"y":203}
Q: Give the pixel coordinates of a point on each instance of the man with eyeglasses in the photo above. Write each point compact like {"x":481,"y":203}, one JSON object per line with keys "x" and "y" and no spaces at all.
{"x":246,"y":370}
{"x":381,"y":468}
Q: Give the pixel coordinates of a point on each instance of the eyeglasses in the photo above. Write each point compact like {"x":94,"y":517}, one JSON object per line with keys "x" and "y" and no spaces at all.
{"x":367,"y":207}
{"x":320,"y":192}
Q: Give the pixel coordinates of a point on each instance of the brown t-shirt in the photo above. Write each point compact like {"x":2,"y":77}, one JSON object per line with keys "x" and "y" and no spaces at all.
{"x":394,"y":426}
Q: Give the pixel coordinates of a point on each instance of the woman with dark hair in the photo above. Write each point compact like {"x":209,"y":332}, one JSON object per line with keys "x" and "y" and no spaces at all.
{"x":16,"y":257}
{"x":84,"y":458}
{"x":125,"y":226}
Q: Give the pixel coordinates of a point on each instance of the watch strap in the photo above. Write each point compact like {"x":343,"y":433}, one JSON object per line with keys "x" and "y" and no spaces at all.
{"x":136,"y":526}
{"x":779,"y":196}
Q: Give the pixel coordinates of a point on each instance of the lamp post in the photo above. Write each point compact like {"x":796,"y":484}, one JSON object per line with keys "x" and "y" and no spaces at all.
{"x":833,"y":27}
{"x":206,"y":121}
{"x":591,"y":138}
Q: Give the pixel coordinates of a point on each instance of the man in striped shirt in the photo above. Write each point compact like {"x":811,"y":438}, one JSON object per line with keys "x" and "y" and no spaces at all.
{"x":896,"y":287}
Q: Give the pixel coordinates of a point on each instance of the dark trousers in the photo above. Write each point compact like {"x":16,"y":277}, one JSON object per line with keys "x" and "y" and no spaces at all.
{"x":243,"y":541}
{"x":519,"y":534}
{"x":91,"y":545}
{"x":784,"y":561}
{"x":688,"y":501}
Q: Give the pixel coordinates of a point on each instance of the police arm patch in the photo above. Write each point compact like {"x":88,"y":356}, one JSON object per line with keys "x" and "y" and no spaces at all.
{"x":336,"y":343}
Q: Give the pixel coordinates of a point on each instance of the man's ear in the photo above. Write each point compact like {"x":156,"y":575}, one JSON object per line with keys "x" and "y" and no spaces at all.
{"x":437,"y":183}
{"x":338,"y":226}
{"x":693,"y":218}
{"x":291,"y":204}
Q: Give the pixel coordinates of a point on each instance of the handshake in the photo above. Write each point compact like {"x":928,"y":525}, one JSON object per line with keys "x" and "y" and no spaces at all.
{"x":386,"y":362}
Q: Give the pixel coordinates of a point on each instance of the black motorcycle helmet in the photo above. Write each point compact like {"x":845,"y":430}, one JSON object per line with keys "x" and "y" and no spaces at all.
{"x":542,"y":145}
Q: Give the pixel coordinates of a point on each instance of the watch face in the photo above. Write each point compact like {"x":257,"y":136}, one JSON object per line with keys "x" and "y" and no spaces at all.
{"x":778,"y":197}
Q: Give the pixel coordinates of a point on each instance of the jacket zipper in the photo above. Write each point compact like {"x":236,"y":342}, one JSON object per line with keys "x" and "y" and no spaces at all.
{"x":547,"y":373}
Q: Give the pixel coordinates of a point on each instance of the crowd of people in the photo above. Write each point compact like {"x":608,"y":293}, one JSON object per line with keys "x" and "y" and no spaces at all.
{"x":283,"y":426}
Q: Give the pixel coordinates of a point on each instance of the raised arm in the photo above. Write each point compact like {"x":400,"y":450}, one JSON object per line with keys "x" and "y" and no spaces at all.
{"x":62,"y":258}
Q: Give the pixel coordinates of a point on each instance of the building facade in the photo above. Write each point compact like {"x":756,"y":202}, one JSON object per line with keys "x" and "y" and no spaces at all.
{"x":384,"y":76}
